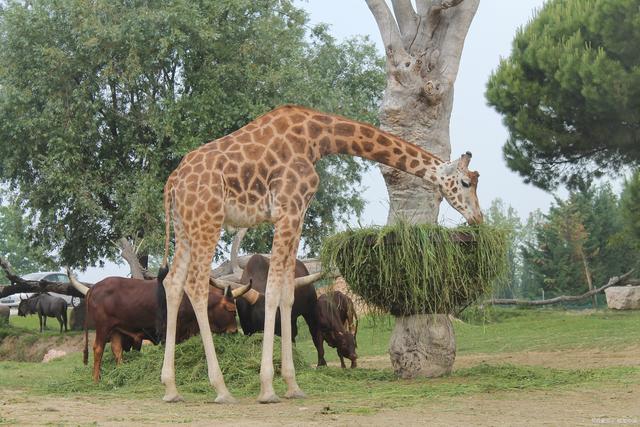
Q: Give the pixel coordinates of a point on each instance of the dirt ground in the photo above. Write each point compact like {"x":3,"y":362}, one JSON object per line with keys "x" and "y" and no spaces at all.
{"x":577,"y":407}
{"x":591,"y":406}
{"x":562,"y":359}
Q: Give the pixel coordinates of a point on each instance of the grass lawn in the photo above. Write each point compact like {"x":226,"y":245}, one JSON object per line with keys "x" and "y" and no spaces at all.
{"x":362,"y":390}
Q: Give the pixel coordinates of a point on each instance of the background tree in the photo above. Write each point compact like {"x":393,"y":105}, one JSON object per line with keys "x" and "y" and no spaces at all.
{"x":505,"y":216}
{"x":100,"y":100}
{"x":15,"y":244}
{"x":570,"y":92}
{"x":630,"y":207}
{"x":580,"y":237}
{"x":423,"y":48}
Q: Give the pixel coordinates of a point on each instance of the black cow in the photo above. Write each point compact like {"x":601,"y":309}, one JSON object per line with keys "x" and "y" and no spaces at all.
{"x":338,"y":326}
{"x":251,"y":306}
{"x":45,"y":305}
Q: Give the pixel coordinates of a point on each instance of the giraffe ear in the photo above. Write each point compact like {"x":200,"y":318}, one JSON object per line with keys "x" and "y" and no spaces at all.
{"x":451,"y":167}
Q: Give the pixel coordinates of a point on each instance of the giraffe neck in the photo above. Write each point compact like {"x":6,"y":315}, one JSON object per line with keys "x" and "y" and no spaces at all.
{"x":339,"y":135}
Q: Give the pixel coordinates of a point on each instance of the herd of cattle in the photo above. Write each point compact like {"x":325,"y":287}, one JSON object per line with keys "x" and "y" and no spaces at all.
{"x":127,"y":311}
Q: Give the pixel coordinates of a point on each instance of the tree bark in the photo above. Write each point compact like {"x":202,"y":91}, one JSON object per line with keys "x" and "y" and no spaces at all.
{"x":423,"y":49}
{"x":416,"y":353}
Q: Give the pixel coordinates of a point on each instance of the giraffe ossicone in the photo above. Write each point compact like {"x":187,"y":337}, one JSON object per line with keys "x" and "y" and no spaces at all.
{"x":264,"y":172}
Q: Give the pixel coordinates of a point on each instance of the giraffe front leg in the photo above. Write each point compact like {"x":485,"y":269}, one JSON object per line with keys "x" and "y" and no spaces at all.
{"x":267,"y":393}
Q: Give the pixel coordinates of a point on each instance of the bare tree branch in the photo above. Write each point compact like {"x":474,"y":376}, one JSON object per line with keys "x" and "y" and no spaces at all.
{"x":18,"y":284}
{"x":388,"y":29}
{"x":407,"y":21}
{"x":129,"y":255}
{"x":617,"y":280}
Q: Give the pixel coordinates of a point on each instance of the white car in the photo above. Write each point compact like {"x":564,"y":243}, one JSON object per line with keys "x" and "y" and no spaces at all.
{"x":14,"y":300}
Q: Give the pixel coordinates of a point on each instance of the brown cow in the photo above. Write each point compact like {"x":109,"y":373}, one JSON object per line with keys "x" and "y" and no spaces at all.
{"x":338,"y":326}
{"x":125,"y":312}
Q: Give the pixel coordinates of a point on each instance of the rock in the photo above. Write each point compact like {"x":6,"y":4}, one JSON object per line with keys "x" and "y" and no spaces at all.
{"x":53,"y":354}
{"x":623,"y":297}
{"x":422,"y":345}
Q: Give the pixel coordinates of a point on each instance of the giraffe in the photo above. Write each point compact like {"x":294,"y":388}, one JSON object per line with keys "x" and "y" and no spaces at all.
{"x":262,"y":172}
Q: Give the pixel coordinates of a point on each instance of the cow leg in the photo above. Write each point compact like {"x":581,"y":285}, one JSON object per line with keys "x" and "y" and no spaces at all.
{"x":98,"y":350}
{"x":197,"y":289}
{"x":174,"y":289}
{"x":64,"y":318}
{"x":116,"y":347}
{"x":280,"y":292}
{"x":61,"y":321}
{"x":318,"y":342}
{"x":40,"y":321}
{"x":342,"y":365}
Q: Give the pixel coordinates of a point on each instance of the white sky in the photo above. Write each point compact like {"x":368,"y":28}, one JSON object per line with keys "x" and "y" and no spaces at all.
{"x":474,"y":126}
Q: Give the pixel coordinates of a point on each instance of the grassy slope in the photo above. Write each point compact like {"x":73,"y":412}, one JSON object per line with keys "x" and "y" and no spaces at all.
{"x":363,"y":390}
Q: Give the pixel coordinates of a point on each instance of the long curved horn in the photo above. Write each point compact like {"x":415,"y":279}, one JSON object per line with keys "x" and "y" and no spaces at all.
{"x":251,"y":296}
{"x":76,"y":284}
{"x":311,"y":278}
{"x":238,"y":292}
{"x":222,"y":284}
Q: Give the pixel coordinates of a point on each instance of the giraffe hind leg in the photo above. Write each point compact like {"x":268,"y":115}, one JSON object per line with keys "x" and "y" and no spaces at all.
{"x":280,"y":292}
{"x":174,"y":289}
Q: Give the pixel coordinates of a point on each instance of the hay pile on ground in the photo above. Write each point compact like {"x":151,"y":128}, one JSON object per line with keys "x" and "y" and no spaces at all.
{"x":238,"y":356}
{"x":407,"y":269}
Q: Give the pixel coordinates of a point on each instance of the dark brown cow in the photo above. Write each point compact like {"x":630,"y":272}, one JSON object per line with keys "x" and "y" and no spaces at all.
{"x":338,"y":326}
{"x":125,"y":312}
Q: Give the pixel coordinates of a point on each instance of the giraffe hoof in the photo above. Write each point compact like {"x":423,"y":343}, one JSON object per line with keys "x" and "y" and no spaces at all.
{"x":269,"y":398}
{"x":295,"y":394}
{"x":225,"y":399}
{"x":172,"y":398}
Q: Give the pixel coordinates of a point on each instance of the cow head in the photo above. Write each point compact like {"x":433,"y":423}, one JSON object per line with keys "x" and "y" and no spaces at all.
{"x":223,"y":313}
{"x":346,"y":346}
{"x":27,"y":306}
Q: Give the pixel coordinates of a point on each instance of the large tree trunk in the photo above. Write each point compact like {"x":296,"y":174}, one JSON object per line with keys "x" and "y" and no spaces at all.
{"x":423,"y":48}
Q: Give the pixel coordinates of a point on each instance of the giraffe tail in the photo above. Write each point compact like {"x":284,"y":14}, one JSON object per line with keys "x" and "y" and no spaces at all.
{"x":167,"y":199}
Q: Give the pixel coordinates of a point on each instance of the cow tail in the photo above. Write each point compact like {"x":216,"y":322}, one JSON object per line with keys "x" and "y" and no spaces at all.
{"x":85,"y":353}
{"x":161,"y":313}
{"x":168,"y":191}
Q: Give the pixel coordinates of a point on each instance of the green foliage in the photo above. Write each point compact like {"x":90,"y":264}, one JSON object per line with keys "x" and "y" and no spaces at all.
{"x":16,"y":245}
{"x":99,"y":101}
{"x":422,"y":268}
{"x":587,"y":227}
{"x":570,"y":92}
{"x":630,"y":206}
{"x":505,"y":217}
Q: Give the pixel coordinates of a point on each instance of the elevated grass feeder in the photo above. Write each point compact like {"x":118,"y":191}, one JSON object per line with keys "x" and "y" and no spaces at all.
{"x":420,"y":274}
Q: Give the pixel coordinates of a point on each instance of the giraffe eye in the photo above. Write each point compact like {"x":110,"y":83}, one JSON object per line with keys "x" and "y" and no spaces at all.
{"x":465,"y":184}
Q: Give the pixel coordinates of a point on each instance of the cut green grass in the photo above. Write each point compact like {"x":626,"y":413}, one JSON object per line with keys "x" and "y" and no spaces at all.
{"x":425,"y":268}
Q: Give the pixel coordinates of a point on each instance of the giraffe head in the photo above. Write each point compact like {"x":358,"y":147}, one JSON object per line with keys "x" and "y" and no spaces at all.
{"x":458,"y":185}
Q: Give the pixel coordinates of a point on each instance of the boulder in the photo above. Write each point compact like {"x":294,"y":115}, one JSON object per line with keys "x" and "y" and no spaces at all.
{"x":623,"y":297}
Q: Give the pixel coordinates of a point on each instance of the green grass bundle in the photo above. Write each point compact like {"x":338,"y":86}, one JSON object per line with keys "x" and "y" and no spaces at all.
{"x":409,"y":269}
